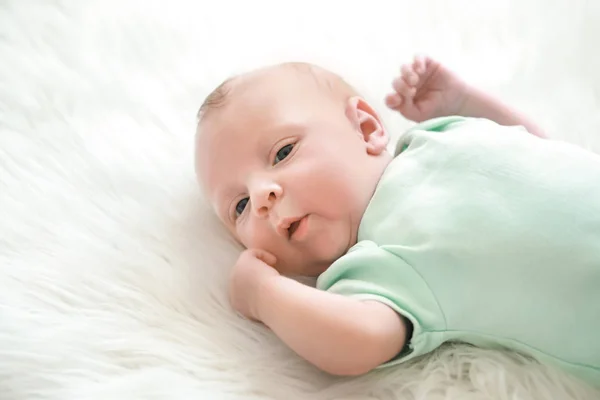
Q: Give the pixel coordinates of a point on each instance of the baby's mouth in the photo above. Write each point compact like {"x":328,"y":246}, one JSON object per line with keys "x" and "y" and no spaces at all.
{"x":298,"y":229}
{"x":293,"y":228}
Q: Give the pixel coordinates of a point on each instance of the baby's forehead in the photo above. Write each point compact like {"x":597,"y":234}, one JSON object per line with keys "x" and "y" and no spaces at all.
{"x":281,"y":76}
{"x":258,"y":98}
{"x":252,"y":103}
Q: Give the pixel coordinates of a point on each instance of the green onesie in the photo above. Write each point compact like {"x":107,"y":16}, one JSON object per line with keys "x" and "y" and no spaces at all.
{"x":484,"y":234}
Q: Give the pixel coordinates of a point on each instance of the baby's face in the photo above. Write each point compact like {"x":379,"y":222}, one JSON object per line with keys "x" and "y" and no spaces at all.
{"x":289,"y":170}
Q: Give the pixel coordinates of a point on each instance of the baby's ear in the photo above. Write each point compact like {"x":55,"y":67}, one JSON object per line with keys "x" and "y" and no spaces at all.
{"x":368,"y":125}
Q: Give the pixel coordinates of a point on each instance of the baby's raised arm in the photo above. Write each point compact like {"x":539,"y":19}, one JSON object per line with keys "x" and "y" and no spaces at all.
{"x":427,"y":89}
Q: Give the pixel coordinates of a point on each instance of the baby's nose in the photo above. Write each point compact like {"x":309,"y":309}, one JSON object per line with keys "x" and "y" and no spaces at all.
{"x":264,"y":197}
{"x":264,"y":208}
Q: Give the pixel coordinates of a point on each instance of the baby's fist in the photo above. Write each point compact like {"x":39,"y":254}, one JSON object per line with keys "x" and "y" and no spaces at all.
{"x":426,"y":89}
{"x":252,"y":269}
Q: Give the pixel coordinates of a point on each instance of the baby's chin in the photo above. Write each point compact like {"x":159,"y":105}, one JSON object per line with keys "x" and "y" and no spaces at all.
{"x":311,"y":270}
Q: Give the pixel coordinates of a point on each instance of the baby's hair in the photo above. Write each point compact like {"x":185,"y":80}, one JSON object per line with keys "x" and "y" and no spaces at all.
{"x":216,"y":99}
{"x":335,"y":84}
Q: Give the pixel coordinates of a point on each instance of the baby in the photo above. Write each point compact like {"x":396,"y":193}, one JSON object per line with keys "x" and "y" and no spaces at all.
{"x":474,"y":230}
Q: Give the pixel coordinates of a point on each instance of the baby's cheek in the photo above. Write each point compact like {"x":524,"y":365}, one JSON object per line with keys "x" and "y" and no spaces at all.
{"x":254,"y":234}
{"x":243,"y":233}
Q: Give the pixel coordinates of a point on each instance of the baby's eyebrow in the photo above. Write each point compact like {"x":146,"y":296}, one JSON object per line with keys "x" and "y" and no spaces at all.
{"x":282,"y":131}
{"x":291,"y":128}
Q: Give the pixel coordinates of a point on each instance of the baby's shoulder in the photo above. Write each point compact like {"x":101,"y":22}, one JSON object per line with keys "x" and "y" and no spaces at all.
{"x":459,"y":134}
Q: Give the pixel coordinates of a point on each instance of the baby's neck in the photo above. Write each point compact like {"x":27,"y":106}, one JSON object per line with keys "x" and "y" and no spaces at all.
{"x":373,"y":173}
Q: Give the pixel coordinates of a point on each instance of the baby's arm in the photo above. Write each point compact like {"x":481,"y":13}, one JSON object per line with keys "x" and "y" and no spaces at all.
{"x":426,"y":89}
{"x":338,"y":334}
{"x":482,"y":105}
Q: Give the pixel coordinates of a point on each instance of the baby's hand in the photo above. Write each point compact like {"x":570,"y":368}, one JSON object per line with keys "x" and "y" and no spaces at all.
{"x":250,"y":272}
{"x":425,"y":90}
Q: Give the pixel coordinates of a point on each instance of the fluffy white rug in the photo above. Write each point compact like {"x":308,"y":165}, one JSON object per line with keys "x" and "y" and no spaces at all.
{"x":113,"y":273}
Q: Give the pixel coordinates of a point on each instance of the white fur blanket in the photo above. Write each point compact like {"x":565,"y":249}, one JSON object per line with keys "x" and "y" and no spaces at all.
{"x":113,"y":272}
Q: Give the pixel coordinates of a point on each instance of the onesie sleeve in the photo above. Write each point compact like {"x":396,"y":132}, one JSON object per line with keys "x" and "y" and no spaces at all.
{"x":368,"y":272}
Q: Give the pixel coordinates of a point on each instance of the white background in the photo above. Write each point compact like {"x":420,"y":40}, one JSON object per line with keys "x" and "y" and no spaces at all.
{"x":113,"y":272}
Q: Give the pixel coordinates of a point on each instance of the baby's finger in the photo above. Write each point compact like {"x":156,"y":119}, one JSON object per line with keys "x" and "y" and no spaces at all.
{"x":393,"y":100}
{"x":419,"y":64}
{"x":403,"y":88}
{"x":410,"y":76}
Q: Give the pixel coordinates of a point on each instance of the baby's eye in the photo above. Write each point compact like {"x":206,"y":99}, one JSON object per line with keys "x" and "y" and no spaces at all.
{"x":240,"y":206}
{"x":283,"y":153}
